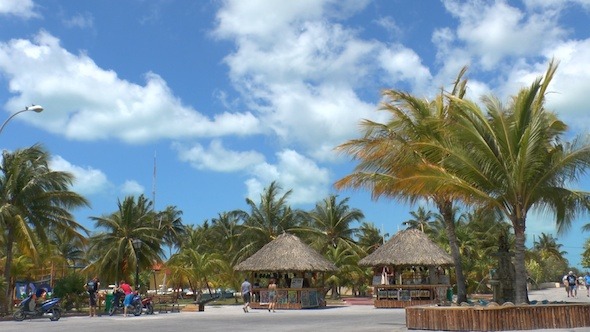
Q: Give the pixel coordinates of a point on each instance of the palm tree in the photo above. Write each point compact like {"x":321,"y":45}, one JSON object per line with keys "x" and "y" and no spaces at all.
{"x":170,"y":223}
{"x":512,"y":159}
{"x":33,"y":199}
{"x":270,"y":218}
{"x":225,"y":235}
{"x":421,"y":220}
{"x":370,"y":237}
{"x":113,"y":245}
{"x":393,"y":160}
{"x":548,"y":247}
{"x":330,"y":222}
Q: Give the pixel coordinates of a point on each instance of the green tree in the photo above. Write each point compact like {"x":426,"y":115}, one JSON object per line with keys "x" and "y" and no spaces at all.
{"x":512,"y":159}
{"x":33,"y":199}
{"x":369,"y":237}
{"x":112,"y":245}
{"x":170,"y":223}
{"x":393,"y":158}
{"x":421,"y":220}
{"x":330,"y":222}
{"x":269,"y":218}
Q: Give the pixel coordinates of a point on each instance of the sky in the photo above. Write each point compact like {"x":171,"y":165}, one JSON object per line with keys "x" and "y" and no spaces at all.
{"x":201,"y":104}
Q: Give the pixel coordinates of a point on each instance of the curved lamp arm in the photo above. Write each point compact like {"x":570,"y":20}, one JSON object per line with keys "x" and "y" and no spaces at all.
{"x":34,"y":108}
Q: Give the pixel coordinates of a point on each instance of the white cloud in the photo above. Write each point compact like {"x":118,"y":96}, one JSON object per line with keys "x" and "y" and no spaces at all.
{"x":80,"y":20}
{"x":132,"y":188}
{"x":302,"y":74}
{"x":217,"y":158}
{"x":85,"y":102}
{"x":20,"y":8}
{"x":308,"y":181}
{"x":493,"y":31}
{"x":88,"y":180}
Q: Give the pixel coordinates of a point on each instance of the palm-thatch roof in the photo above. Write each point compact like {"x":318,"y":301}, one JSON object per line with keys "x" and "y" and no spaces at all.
{"x":286,"y":253}
{"x":409,"y":247}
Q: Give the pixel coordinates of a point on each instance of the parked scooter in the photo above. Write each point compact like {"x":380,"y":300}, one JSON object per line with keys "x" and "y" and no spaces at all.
{"x":117,"y":304}
{"x":147,"y":305}
{"x":49,"y":308}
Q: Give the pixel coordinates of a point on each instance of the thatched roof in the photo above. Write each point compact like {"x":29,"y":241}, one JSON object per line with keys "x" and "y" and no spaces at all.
{"x":409,"y":247}
{"x":286,"y":253}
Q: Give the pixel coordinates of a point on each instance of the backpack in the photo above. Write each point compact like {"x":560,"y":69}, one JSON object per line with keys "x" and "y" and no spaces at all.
{"x":91,"y":286}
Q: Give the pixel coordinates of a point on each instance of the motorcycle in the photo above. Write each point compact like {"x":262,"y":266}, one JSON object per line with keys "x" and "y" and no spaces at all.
{"x":147,"y":305}
{"x":117,"y":304}
{"x":48,"y":308}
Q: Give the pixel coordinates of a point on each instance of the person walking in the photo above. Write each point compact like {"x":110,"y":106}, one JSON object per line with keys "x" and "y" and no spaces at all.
{"x":246,"y":294}
{"x":587,"y":283}
{"x":272,"y":295}
{"x":92,"y":288}
{"x":571,"y":282}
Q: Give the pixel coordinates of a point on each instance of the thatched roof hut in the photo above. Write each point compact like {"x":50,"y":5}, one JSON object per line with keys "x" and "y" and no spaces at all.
{"x":286,"y":253}
{"x":409,"y":247}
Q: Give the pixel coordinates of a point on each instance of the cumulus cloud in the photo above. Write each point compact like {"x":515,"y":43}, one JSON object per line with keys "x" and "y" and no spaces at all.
{"x":217,"y":158}
{"x":88,"y":181}
{"x":132,"y":188}
{"x":303,"y":74}
{"x":86,"y":102}
{"x":20,"y":8}
{"x":308,"y":181}
{"x":493,"y":31}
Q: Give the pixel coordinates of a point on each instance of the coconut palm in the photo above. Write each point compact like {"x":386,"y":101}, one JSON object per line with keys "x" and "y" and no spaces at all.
{"x":392,"y":160}
{"x":512,"y":159}
{"x":330,"y":222}
{"x":170,"y":223}
{"x":33,"y":199}
{"x":421,"y":220}
{"x":113,"y":247}
{"x":369,"y":237}
{"x":269,"y":218}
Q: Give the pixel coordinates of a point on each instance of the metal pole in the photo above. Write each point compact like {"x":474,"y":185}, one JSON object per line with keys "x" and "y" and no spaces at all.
{"x":35,"y":108}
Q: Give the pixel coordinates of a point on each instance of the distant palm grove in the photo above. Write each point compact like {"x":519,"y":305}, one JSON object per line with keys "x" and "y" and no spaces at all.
{"x":473,"y":170}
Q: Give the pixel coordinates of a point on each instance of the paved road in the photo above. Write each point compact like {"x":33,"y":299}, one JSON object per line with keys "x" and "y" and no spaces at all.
{"x":232,"y":318}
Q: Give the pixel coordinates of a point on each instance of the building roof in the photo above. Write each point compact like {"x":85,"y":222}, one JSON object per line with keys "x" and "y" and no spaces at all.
{"x":409,"y":247}
{"x":286,"y":253}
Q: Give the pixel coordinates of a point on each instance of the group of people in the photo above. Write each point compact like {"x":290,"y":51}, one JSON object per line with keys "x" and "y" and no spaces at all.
{"x":246,"y":289}
{"x":573,"y":282}
{"x":124,"y":289}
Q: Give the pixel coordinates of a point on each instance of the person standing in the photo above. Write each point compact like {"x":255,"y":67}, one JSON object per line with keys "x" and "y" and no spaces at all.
{"x":272,"y":295}
{"x":246,"y":294}
{"x":92,"y":289}
{"x":572,"y":281}
{"x":126,"y":288}
{"x":587,"y":283}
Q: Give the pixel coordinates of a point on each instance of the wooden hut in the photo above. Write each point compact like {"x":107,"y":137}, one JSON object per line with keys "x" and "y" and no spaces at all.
{"x":297,"y":268}
{"x":409,"y":269}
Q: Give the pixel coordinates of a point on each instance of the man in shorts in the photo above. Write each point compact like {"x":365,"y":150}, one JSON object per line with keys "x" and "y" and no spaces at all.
{"x":246,"y":294}
{"x":92,"y":289}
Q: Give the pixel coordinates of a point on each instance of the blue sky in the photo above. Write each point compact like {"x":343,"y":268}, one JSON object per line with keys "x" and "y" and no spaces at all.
{"x":228,"y":96}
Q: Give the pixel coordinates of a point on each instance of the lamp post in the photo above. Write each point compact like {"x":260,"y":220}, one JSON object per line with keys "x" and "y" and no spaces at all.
{"x":136,"y":246}
{"x":34,"y":108}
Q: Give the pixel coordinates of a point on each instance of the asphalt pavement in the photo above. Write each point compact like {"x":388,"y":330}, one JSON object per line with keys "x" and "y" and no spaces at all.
{"x":341,"y":318}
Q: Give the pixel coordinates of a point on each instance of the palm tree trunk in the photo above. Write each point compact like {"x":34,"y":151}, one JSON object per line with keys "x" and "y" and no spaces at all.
{"x":446,"y":210}
{"x":520,"y":285}
{"x":7,"y":303}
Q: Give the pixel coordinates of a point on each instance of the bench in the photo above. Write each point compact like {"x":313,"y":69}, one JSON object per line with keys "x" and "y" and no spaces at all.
{"x":166,"y":302}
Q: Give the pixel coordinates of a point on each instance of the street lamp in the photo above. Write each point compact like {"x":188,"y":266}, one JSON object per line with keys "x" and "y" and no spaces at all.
{"x":34,"y":108}
{"x":136,"y":246}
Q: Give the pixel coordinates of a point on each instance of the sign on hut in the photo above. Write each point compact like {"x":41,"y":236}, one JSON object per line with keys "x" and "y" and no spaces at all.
{"x":297,"y":269}
{"x":409,"y":269}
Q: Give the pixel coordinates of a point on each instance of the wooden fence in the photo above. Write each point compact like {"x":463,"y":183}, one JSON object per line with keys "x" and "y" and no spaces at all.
{"x":500,"y":318}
